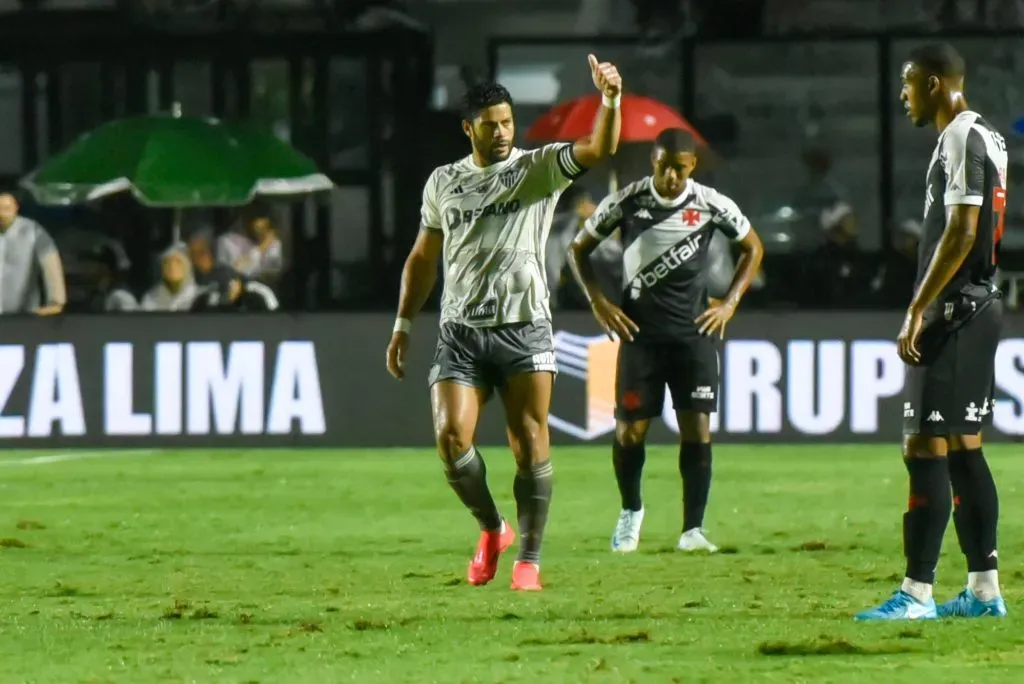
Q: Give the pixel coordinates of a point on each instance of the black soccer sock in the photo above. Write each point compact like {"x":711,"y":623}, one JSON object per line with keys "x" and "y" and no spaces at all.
{"x":629,"y":468}
{"x":975,"y":508}
{"x":532,"y":490}
{"x":467,"y":475}
{"x":695,"y":467}
{"x":924,"y":523}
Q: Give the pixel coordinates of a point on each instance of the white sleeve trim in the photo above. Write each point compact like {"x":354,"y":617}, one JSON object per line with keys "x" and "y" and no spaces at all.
{"x":953,"y":198}
{"x":591,"y":228}
{"x":743,"y":231}
{"x":567,"y":163}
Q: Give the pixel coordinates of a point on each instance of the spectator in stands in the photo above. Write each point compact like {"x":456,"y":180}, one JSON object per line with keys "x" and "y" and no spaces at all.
{"x":176,"y":289}
{"x":201,"y":256}
{"x":895,"y":279}
{"x":837,"y":274}
{"x":264,"y":260}
{"x":822,"y":202}
{"x":231,"y":291}
{"x":31,"y":272}
{"x":109,"y":274}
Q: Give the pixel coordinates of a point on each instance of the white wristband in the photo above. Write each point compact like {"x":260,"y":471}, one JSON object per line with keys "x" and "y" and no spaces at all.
{"x":403,"y":325}
{"x":611,"y":102}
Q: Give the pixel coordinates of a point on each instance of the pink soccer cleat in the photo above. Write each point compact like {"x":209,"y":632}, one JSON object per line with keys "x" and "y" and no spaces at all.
{"x":488,"y":550}
{"x":526,"y":576}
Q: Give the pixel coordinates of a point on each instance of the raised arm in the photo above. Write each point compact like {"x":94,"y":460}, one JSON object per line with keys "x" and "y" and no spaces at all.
{"x":604,"y":139}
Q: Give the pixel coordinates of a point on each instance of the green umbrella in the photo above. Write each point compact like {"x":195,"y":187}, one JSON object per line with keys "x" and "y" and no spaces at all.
{"x":175,"y":161}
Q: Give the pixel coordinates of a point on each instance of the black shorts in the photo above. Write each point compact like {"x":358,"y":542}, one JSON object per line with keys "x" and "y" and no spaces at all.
{"x":950,"y":391}
{"x":689,"y":368}
{"x":485,"y":357}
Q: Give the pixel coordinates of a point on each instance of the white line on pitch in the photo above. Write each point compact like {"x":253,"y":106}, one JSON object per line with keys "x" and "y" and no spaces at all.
{"x":76,"y":456}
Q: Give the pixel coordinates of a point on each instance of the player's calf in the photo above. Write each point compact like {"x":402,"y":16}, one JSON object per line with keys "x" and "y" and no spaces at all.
{"x":532,"y":488}
{"x":695,"y":471}
{"x":924,"y":525}
{"x":628,"y":457}
{"x":975,"y":517}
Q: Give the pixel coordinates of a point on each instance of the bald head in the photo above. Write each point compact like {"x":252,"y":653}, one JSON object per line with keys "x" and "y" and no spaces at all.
{"x":8,"y":210}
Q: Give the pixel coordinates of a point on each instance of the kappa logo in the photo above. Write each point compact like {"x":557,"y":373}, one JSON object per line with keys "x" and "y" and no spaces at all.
{"x":644,"y":214}
{"x":591,"y":359}
{"x":934,"y":417}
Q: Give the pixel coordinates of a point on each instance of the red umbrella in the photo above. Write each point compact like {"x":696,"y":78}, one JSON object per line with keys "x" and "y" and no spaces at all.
{"x":642,"y":120}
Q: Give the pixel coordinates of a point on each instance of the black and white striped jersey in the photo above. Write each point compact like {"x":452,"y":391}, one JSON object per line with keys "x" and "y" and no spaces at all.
{"x":968,"y":166}
{"x":665,"y":251}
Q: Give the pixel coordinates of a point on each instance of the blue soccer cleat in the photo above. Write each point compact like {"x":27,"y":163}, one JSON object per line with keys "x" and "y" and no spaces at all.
{"x":902,"y":606}
{"x":966,"y":604}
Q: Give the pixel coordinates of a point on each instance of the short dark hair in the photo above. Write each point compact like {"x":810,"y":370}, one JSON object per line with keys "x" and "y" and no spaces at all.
{"x":481,"y":96}
{"x":676,"y":140}
{"x":938,"y":59}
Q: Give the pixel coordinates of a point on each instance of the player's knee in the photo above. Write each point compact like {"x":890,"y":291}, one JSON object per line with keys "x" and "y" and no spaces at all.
{"x":630,"y":434}
{"x":920,"y":446}
{"x":452,"y":441}
{"x":694,"y":426}
{"x":529,"y":438}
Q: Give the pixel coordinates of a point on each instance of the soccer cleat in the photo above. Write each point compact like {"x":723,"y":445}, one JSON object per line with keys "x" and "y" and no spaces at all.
{"x":488,"y":550}
{"x":525,"y":576}
{"x":627,"y":532}
{"x":901,"y":606}
{"x":694,"y":540}
{"x":966,"y":604}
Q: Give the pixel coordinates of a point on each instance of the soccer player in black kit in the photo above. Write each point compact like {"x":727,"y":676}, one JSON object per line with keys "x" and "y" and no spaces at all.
{"x":948,"y":341}
{"x":667,"y":329}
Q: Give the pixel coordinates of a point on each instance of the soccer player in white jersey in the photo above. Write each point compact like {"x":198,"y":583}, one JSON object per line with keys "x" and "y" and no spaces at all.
{"x":668,"y":329}
{"x":489,"y":214}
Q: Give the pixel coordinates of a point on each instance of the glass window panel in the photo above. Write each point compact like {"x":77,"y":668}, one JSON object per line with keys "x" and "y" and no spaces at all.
{"x":269,"y":96}
{"x":193,"y":89}
{"x":785,"y":100}
{"x":539,"y":77}
{"x":80,"y":99}
{"x":10,"y":114}
{"x":348,"y":121}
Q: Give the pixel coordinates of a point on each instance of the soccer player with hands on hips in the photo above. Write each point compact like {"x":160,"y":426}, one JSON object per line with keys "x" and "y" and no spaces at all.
{"x":948,"y":341}
{"x":667,"y":327}
{"x":489,"y":215}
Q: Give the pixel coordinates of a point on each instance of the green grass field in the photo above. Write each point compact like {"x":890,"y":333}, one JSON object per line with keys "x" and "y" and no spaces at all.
{"x":306,"y":567}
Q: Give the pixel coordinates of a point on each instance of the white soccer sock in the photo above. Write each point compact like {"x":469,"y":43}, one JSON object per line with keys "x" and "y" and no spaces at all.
{"x":919,"y":590}
{"x":985,"y":585}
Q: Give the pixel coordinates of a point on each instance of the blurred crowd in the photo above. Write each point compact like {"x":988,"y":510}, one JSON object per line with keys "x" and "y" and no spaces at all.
{"x":238,"y":269}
